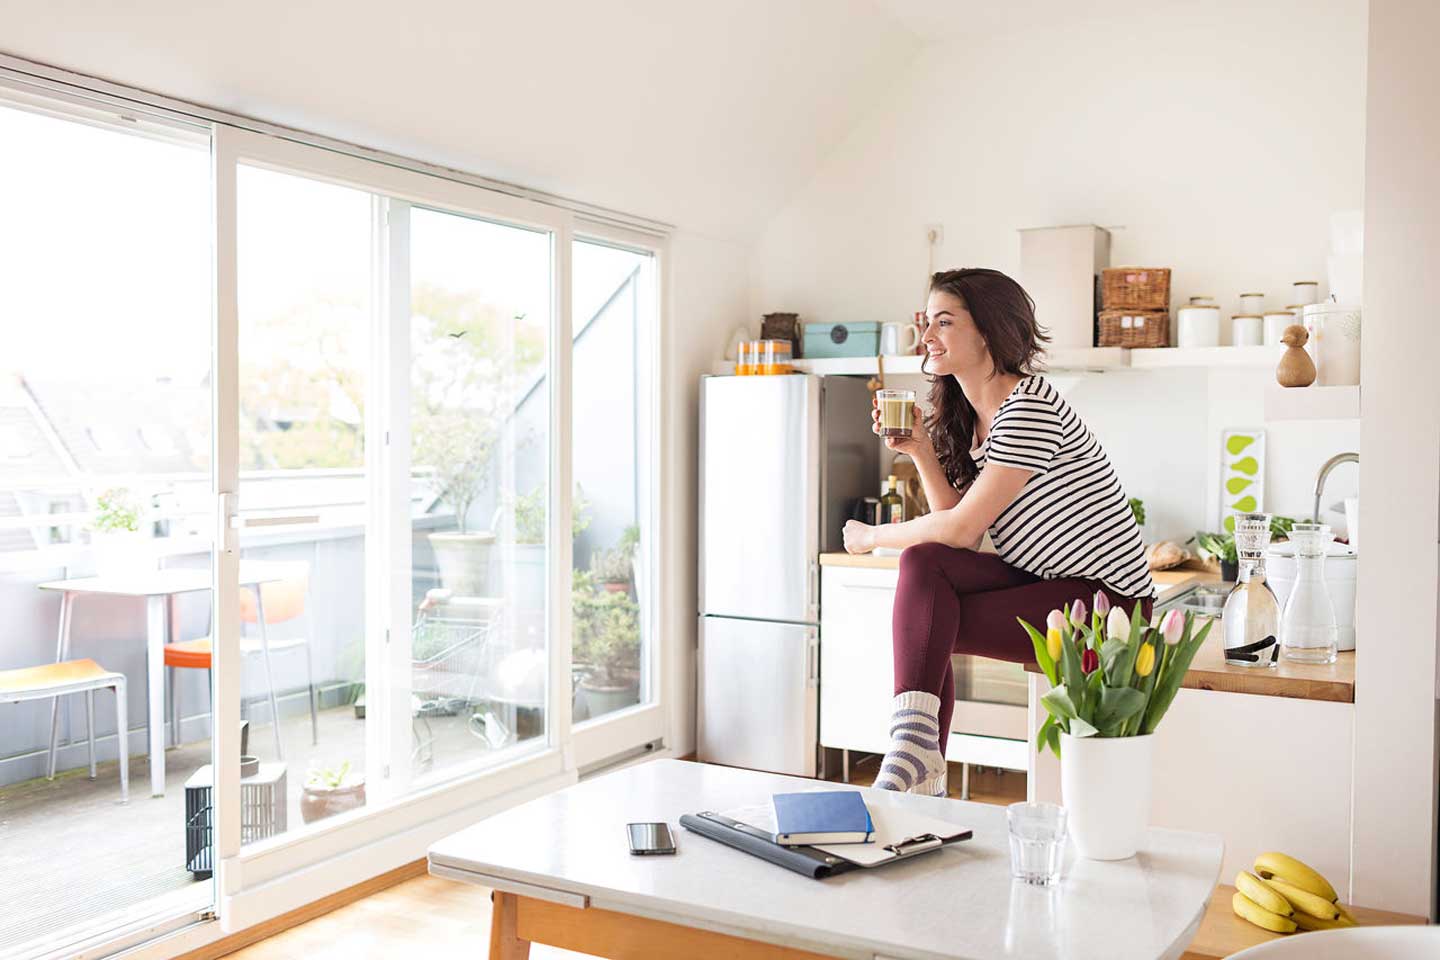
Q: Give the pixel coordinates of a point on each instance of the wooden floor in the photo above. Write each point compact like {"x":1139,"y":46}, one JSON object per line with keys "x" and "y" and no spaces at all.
{"x":987,"y":784}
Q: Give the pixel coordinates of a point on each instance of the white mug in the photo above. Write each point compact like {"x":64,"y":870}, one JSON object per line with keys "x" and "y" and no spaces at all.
{"x":898,"y":339}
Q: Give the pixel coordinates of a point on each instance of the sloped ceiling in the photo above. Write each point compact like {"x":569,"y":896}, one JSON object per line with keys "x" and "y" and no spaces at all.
{"x":706,"y":115}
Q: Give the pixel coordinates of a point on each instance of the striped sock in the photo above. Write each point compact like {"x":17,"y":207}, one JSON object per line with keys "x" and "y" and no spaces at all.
{"x":914,"y":757}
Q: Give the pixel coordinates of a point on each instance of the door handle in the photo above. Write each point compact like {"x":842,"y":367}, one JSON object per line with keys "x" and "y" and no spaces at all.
{"x":237,"y":523}
{"x":812,"y":658}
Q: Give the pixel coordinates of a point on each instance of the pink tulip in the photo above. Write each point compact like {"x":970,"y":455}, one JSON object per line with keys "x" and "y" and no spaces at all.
{"x":1172,"y":626}
{"x":1102,"y":604}
{"x":1055,"y":620}
{"x":1077,"y":612}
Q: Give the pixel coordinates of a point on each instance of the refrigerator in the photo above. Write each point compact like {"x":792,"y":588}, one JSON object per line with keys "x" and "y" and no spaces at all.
{"x":782,"y":460}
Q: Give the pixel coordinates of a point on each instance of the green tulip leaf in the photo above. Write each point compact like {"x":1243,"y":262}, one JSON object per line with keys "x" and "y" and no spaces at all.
{"x":1246,"y":465}
{"x":1236,"y":444}
{"x":1244,"y":505}
{"x":1235,"y":484}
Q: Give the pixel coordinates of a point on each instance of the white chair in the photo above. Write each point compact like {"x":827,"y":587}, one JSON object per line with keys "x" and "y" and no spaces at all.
{"x":54,"y":680}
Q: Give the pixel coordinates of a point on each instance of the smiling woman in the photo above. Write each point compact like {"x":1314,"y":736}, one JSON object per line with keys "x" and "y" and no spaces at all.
{"x":1000,"y":452}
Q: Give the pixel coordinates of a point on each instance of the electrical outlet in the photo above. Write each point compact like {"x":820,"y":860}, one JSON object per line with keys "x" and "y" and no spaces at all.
{"x":935,"y":233}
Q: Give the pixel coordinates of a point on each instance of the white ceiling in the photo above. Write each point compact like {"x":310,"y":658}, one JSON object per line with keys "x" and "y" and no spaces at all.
{"x":707,"y":115}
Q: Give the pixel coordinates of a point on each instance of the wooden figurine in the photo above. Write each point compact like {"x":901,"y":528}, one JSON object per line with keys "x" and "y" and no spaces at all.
{"x":1296,"y":369}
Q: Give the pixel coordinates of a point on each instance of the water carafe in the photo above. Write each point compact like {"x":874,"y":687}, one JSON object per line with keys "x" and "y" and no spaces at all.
{"x":1251,"y":617}
{"x":1308,"y":632}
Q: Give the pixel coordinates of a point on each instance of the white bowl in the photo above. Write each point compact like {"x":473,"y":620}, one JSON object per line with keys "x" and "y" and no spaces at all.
{"x":1351,"y":943}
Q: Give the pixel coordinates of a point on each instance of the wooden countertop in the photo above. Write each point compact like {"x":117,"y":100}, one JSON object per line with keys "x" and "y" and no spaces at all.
{"x":1333,"y":682}
{"x":1222,"y":933}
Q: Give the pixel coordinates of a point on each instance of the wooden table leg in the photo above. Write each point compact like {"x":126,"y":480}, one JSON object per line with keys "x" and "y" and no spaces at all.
{"x":504,"y":944}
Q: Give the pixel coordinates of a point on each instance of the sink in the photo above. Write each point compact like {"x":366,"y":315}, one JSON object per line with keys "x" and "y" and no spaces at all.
{"x":1351,"y":943}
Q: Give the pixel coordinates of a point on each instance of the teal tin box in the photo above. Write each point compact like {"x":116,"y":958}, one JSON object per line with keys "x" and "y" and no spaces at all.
{"x":828,"y":340}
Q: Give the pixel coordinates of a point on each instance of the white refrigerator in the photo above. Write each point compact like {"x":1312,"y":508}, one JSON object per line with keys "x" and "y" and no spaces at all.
{"x":782,"y":459}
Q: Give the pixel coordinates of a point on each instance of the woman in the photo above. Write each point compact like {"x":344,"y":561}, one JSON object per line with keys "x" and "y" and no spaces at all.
{"x":999,"y":451}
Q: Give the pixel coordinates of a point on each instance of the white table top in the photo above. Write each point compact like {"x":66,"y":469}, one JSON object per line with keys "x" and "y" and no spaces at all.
{"x":154,"y":583}
{"x":956,"y":903}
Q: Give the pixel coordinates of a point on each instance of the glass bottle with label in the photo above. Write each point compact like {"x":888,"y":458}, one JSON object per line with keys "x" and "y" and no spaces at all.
{"x":892,"y":505}
{"x":1308,"y":632}
{"x":1251,"y":618}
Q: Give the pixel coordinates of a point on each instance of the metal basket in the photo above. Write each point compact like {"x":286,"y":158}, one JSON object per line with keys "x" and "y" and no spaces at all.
{"x":444,"y":681}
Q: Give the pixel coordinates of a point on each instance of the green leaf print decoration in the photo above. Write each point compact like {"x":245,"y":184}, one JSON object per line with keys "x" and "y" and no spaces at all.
{"x":1244,"y":505}
{"x":1237,"y":484}
{"x":1230,"y":524}
{"x":1246,"y":465}
{"x":1237,"y":444}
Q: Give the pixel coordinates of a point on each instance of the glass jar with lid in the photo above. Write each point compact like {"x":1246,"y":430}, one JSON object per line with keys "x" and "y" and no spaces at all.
{"x":1308,"y":631}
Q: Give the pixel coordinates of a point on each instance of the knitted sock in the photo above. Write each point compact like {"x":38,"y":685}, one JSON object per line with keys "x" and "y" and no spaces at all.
{"x":914,"y":756}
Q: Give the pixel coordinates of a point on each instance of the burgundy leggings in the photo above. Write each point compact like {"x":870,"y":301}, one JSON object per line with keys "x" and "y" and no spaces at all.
{"x":954,"y":601}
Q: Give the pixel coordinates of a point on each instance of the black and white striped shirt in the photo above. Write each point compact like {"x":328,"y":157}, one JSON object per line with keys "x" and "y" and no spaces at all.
{"x":1071,"y":519}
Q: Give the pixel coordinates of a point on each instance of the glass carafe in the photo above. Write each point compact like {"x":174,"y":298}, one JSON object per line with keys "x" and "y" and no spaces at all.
{"x":1308,"y":633}
{"x":1251,"y":618}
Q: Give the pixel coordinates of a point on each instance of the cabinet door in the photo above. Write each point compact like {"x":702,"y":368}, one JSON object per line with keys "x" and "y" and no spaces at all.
{"x":857,"y":673}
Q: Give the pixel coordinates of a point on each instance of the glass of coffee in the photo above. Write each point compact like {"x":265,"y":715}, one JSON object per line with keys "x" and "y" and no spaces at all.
{"x":897,"y":412}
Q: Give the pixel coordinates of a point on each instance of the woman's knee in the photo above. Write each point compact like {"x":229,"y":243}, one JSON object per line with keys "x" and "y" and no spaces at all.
{"x":923,"y":559}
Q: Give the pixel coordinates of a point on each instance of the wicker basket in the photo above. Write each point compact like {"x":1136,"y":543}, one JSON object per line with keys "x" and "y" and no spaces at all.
{"x":1135,"y":288}
{"x":1134,"y":328}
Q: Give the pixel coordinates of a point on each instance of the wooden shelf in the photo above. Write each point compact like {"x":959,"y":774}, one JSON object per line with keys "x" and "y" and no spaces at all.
{"x":1311,"y":403}
{"x":1222,"y":933}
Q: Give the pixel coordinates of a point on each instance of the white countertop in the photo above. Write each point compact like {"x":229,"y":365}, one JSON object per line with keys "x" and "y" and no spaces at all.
{"x":956,"y":903}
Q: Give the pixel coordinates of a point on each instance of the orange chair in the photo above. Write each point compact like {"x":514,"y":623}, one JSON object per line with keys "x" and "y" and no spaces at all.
{"x":264,"y":605}
{"x":74,"y":676}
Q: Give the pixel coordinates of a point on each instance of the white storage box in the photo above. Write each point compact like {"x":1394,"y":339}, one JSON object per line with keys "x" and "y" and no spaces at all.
{"x":1059,"y":267}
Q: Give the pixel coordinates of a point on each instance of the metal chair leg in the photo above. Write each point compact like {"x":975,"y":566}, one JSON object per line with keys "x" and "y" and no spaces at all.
{"x":269,"y":673}
{"x":314,"y":710}
{"x":62,"y":645}
{"x":90,"y":727}
{"x":172,"y":691}
{"x":122,"y":727}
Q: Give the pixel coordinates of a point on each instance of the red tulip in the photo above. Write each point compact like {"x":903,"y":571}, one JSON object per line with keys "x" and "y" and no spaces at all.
{"x":1089,"y":661}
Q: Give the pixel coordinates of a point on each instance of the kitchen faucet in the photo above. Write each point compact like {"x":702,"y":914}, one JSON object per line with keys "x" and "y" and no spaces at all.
{"x":1329,"y":465}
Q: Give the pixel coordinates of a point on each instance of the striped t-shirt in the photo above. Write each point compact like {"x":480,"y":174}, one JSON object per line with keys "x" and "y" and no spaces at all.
{"x":1071,"y":519}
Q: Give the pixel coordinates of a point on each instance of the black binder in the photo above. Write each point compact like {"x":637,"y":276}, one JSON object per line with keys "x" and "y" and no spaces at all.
{"x":814,"y":863}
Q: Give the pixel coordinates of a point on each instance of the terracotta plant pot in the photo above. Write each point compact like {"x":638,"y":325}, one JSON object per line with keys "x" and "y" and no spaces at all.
{"x":317,"y":803}
{"x":617,"y":586}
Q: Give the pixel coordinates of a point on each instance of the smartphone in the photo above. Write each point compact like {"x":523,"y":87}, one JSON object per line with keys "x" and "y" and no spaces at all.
{"x":647,"y":839}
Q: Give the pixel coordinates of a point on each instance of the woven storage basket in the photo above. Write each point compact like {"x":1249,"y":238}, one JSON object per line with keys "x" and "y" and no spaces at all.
{"x":1135,"y":288}
{"x":1134,"y":328}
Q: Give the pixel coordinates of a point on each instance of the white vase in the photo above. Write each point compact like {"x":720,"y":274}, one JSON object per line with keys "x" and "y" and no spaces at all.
{"x":121,"y":554}
{"x":1105,"y":785}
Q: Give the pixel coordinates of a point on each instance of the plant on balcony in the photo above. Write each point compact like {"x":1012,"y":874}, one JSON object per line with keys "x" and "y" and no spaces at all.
{"x":119,"y":541}
{"x":606,"y":644}
{"x":117,"y":511}
{"x":530,"y":514}
{"x":331,"y":790}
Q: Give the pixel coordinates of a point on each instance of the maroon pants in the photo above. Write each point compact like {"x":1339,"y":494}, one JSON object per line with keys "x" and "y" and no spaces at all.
{"x":953,"y":601}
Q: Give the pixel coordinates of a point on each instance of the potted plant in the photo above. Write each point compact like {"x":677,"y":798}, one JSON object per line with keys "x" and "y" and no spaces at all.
{"x":612,"y":568}
{"x":331,"y":790}
{"x":1220,"y":546}
{"x":121,"y":543}
{"x":530,"y":513}
{"x":1111,"y":679}
{"x":456,"y":445}
{"x":606,"y":643}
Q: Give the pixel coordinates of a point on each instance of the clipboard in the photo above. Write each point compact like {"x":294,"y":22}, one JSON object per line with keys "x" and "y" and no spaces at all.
{"x":898,"y":834}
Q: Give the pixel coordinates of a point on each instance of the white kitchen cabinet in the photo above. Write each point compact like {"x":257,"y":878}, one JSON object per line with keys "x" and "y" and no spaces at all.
{"x":1265,"y":772}
{"x":857,"y":677}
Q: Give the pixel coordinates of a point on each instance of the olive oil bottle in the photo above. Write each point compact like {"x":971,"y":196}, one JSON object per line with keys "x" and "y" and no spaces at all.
{"x":892,"y":505}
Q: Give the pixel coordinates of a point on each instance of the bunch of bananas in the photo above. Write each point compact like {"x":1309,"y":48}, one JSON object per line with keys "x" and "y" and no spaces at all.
{"x":1284,"y":894}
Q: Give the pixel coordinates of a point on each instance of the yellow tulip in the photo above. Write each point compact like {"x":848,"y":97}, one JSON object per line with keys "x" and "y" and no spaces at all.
{"x":1052,"y":643}
{"x":1145,"y":660}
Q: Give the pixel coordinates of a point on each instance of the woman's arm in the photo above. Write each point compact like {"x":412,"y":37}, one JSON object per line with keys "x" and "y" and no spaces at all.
{"x":918,"y":447}
{"x":962,"y":525}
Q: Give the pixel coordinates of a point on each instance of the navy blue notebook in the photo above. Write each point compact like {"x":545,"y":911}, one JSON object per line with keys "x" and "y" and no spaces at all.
{"x":821,"y":816}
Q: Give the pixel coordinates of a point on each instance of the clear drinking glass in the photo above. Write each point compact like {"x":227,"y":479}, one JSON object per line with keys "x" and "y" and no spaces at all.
{"x":1037,"y":841}
{"x":1251,"y":617}
{"x":1308,"y":633}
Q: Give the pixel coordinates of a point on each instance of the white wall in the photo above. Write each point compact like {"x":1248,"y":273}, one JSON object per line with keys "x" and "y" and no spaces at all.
{"x":1213,"y":138}
{"x":1395,"y":719}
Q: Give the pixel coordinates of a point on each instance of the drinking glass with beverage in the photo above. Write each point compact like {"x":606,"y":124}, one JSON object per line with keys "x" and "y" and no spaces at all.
{"x":897,"y":412}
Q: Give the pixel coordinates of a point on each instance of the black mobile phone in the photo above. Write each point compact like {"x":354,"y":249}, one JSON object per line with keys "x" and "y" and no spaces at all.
{"x":650,"y":838}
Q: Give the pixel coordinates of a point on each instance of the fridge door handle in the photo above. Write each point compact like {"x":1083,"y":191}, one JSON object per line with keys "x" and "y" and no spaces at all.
{"x":814,"y":587}
{"x":812,"y":658}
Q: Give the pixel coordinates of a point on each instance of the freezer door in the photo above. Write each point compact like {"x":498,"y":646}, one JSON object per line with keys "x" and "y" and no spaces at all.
{"x":760,"y":497}
{"x":758,"y":702}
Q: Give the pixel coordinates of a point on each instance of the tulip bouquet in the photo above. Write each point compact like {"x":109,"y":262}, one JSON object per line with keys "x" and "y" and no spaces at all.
{"x":1113,"y":675}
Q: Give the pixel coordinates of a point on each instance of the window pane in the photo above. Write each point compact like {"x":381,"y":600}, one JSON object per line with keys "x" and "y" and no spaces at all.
{"x":304,"y":291}
{"x":480,"y":413}
{"x":105,"y":435}
{"x":612,"y":325}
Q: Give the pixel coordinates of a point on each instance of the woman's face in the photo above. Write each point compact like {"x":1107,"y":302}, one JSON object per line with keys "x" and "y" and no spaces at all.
{"x":953,"y":344}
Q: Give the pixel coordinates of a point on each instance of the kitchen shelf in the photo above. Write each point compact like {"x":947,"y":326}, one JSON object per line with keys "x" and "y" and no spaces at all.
{"x":1095,"y":359}
{"x":1312,"y":403}
{"x":1150,"y":358}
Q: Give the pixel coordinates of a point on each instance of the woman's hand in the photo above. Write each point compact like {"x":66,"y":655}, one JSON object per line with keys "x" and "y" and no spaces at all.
{"x":917,"y":446}
{"x":859,"y":537}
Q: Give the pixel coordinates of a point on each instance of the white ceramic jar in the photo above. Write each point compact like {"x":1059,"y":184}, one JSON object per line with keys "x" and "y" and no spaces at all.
{"x":1306,"y":292}
{"x":1247,"y":330}
{"x":1334,"y":344}
{"x":1275,"y":323}
{"x":1197,"y":326}
{"x":1252,"y":303}
{"x":1203,"y":300}
{"x":1341,"y":569}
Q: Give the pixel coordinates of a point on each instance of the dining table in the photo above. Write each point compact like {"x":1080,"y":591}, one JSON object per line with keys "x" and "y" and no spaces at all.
{"x":158,"y":588}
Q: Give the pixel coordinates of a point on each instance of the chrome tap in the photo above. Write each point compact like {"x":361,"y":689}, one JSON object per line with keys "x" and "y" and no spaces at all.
{"x":1330,"y":464}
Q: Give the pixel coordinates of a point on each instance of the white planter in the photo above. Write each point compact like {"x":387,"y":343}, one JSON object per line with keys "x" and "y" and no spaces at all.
{"x":123,"y":553}
{"x":464,"y":561}
{"x":1105,"y":786}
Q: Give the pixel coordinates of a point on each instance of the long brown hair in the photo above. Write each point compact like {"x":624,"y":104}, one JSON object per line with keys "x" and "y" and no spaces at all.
{"x":1005,"y":316}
